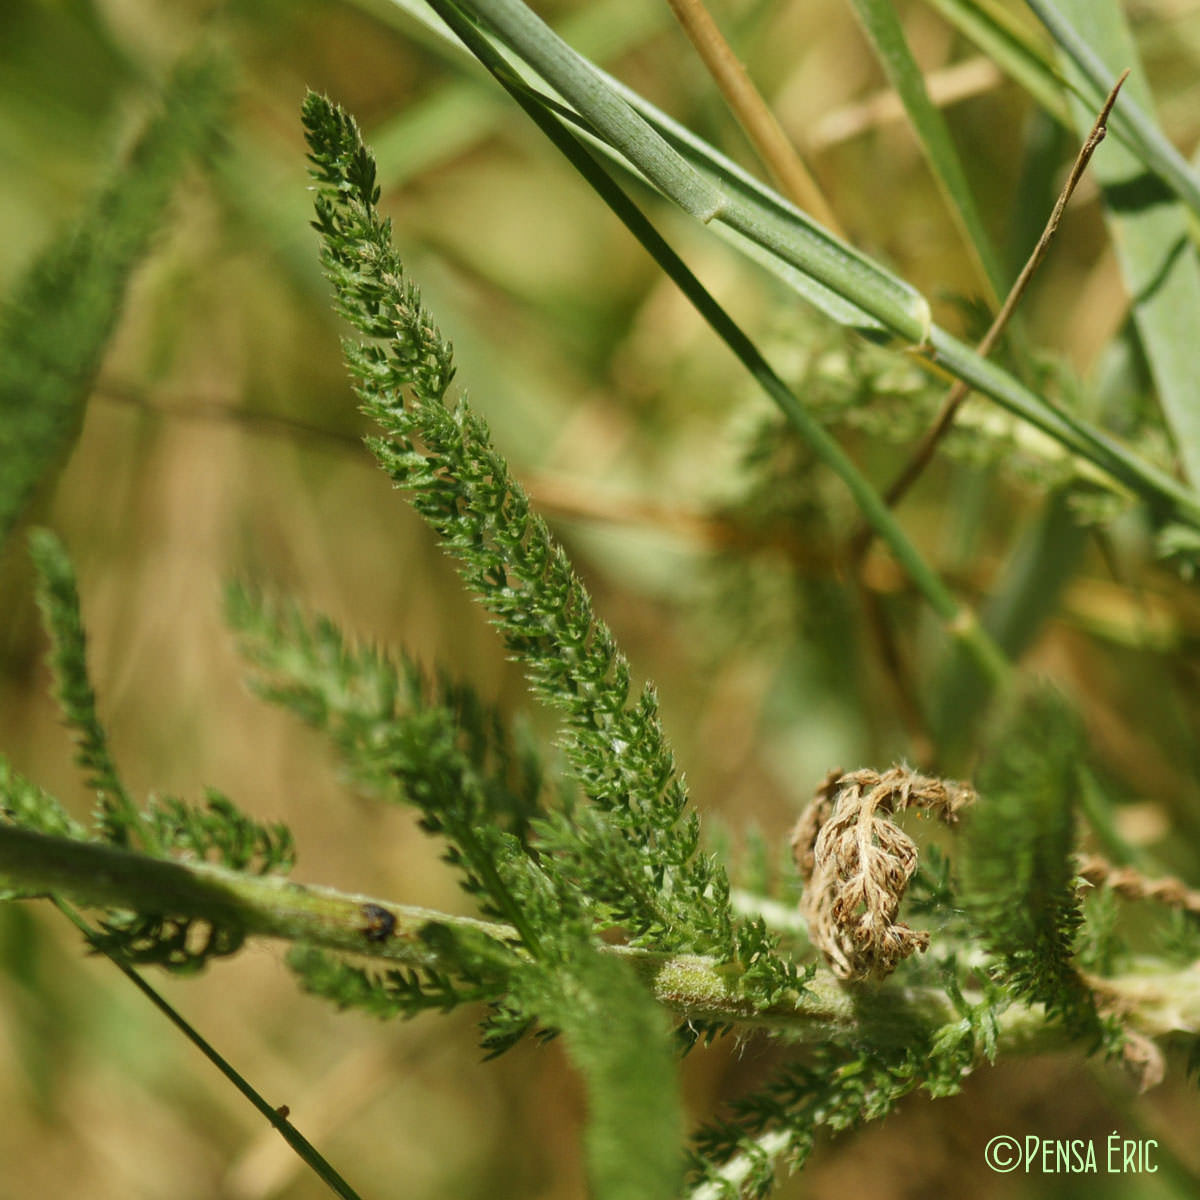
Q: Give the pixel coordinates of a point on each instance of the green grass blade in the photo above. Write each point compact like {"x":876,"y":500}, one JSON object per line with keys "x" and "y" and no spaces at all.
{"x":984,"y":376}
{"x":882,"y":26}
{"x":726,"y":174}
{"x":1009,"y":48}
{"x":460,"y":113}
{"x":57,"y":322}
{"x":1092,"y":78}
{"x":868,"y":296}
{"x":1150,"y":234}
{"x":998,"y":37}
{"x":960,"y":623}
{"x":751,"y":191}
{"x":781,"y":229}
{"x":574,"y":78}
{"x":1143,"y":479}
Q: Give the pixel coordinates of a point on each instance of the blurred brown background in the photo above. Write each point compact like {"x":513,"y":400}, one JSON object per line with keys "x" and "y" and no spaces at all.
{"x":222,"y":440}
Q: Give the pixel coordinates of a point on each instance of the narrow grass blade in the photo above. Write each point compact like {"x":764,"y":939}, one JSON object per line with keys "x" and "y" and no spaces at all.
{"x":461,"y":112}
{"x":574,"y":78}
{"x":1092,"y":77}
{"x":734,"y":180}
{"x":726,"y":174}
{"x":864,"y":294}
{"x":779,"y":227}
{"x":1153,"y":485}
{"x":995,"y":33}
{"x":960,"y":623}
{"x":1150,"y":234}
{"x":879,"y":21}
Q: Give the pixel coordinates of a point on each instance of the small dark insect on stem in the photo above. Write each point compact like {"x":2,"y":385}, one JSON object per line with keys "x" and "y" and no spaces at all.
{"x":958,"y":393}
{"x":381,"y":924}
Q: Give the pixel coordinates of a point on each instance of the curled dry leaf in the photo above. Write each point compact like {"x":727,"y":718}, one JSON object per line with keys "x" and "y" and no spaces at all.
{"x":856,"y":863}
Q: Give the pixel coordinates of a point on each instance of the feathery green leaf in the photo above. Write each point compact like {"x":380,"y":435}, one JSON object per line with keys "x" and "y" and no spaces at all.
{"x":443,"y":456}
{"x":618,"y":1039}
{"x":58,"y":320}
{"x":58,"y":598}
{"x":1019,"y":883}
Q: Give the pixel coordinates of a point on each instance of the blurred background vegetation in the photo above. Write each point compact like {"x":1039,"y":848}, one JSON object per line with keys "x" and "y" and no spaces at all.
{"x":221,"y":439}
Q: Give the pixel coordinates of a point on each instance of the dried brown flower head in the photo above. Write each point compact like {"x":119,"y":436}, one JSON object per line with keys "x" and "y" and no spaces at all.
{"x":856,"y":863}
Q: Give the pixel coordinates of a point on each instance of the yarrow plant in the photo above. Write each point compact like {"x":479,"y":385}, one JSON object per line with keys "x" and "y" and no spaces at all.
{"x":602,"y":914}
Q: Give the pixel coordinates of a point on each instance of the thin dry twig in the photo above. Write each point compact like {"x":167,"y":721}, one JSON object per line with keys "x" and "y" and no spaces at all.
{"x":1139,"y":1054}
{"x":958,"y":393}
{"x":1133,"y":885}
{"x":746,"y":103}
{"x":947,"y":86}
{"x":856,"y":863}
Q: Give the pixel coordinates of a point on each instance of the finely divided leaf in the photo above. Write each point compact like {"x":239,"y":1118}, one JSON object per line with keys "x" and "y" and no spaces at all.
{"x":56,"y":324}
{"x":1019,"y":882}
{"x":443,"y":457}
{"x":58,"y":598}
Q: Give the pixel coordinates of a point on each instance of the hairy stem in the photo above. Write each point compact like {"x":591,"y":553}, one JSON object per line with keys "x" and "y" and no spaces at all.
{"x":692,"y":987}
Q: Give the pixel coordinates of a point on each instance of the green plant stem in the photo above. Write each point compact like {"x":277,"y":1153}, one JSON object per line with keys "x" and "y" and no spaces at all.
{"x":693,"y":987}
{"x":774,"y":233}
{"x":737,"y":1170}
{"x":99,"y":875}
{"x":1165,"y":494}
{"x":305,"y":1150}
{"x":1131,"y":124}
{"x":792,"y":236}
{"x":960,"y":622}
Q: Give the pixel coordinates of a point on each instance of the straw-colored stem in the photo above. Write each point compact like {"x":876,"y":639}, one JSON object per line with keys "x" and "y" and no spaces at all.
{"x":757,"y":120}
